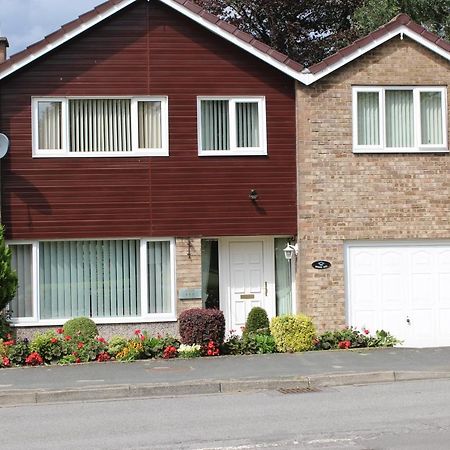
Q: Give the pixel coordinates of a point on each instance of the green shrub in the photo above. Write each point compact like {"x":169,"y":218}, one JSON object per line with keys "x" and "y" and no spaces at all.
{"x":293,"y":333}
{"x":257,"y":320}
{"x":80,"y":326}
{"x":48,"y":345}
{"x":18,"y":352}
{"x":116,"y":345}
{"x":5,"y":327}
{"x":258,"y":343}
{"x":8,"y":276}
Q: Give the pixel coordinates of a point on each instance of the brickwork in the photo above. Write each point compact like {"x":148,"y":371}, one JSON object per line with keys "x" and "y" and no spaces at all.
{"x":189,"y":270}
{"x":344,"y":196}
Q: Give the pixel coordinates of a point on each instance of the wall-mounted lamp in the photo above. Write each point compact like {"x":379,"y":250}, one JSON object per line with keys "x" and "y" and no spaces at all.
{"x":290,"y":250}
{"x":253,"y":196}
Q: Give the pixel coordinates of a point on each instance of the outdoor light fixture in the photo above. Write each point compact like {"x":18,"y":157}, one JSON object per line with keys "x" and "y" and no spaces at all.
{"x":290,"y":250}
{"x":253,"y":196}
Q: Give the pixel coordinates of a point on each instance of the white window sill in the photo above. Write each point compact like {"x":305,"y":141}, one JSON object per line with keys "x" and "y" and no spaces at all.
{"x":132,"y":154}
{"x":400,"y":150}
{"x":232,"y":152}
{"x":100,"y":321}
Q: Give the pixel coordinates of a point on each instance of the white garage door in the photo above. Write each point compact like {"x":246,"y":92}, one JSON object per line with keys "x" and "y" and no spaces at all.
{"x":401,"y":288}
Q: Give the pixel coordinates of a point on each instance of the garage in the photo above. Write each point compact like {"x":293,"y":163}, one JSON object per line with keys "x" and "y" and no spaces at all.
{"x":403,"y":288}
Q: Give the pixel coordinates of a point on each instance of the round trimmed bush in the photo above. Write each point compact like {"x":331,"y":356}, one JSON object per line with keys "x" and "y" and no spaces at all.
{"x":199,"y":326}
{"x":80,"y":326}
{"x":293,"y":333}
{"x":257,"y":320}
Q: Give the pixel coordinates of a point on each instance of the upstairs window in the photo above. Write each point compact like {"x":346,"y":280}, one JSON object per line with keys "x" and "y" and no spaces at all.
{"x":399,"y":119}
{"x":232,"y":126}
{"x":100,"y":126}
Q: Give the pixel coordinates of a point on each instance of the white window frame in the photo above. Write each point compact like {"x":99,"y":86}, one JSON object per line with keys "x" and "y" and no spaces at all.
{"x":135,"y":150}
{"x":418,"y":146}
{"x":145,"y":316}
{"x":234,"y":149}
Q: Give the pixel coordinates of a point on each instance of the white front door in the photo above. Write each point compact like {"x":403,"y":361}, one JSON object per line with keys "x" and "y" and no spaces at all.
{"x":247,"y":278}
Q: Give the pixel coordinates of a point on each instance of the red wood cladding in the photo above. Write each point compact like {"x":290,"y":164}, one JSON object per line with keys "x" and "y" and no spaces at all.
{"x":149,"y":49}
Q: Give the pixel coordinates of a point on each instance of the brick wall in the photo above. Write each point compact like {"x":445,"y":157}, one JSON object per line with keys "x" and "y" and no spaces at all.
{"x":189,"y":270}
{"x":345,"y":196}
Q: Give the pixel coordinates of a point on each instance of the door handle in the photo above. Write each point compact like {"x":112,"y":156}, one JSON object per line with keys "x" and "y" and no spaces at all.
{"x":265,"y":287}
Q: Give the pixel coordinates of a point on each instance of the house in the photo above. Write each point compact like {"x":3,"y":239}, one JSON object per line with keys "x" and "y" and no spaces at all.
{"x":152,"y":164}
{"x":162,"y":159}
{"x":373,"y":183}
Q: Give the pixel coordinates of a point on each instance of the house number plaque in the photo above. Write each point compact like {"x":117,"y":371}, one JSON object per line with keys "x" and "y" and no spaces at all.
{"x":320,"y":265}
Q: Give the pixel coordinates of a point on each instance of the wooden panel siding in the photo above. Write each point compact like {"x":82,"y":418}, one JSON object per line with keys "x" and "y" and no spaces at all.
{"x":149,"y":49}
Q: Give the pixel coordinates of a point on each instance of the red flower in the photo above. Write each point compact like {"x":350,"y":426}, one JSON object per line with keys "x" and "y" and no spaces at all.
{"x":8,"y":343}
{"x":103,"y":356}
{"x":80,"y":345}
{"x":210,"y":352}
{"x":100,"y":339}
{"x":60,"y":330}
{"x":34,"y":359}
{"x":53,"y":340}
{"x":137,"y":332}
{"x":142,"y":337}
{"x":78,"y":360}
{"x":366,"y":331}
{"x":6,"y":362}
{"x":67,"y":338}
{"x":344,"y":344}
{"x":169,"y":352}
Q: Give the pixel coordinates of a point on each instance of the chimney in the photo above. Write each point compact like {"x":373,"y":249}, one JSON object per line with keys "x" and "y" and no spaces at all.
{"x":4,"y":44}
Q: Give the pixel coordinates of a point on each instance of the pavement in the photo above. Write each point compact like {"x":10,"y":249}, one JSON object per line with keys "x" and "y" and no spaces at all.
{"x":224,"y":374}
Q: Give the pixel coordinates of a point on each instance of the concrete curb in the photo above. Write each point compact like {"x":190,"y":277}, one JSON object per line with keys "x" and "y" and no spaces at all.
{"x":117,"y":392}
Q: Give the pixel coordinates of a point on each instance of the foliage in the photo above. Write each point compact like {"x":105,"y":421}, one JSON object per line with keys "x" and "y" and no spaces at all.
{"x":211,"y":349}
{"x":18,"y":352}
{"x":81,"y":326}
{"x":132,"y":351}
{"x":293,"y":333}
{"x":248,"y":344}
{"x":116,"y":345}
{"x":8,"y":276}
{"x":86,"y":349}
{"x":257,"y":320}
{"x":190,"y":351}
{"x":350,"y":337}
{"x":5,"y":326}
{"x":305,"y":30}
{"x":48,"y":345}
{"x":199,"y":326}
{"x":372,"y":14}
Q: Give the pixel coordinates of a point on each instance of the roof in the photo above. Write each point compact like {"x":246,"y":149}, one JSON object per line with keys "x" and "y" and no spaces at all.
{"x":400,"y":25}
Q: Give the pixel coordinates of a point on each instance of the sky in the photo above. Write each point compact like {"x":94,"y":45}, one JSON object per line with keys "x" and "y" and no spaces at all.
{"x":24,"y":22}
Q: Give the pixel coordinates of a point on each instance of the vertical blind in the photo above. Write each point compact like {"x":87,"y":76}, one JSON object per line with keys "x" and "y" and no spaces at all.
{"x":431,"y":117}
{"x":399,"y":118}
{"x":49,"y":124}
{"x":89,"y":278}
{"x":247,"y":125}
{"x":149,"y":124}
{"x":159,"y":277}
{"x":21,"y":262}
{"x":368,"y":118}
{"x":215,"y":130}
{"x":100,"y":125}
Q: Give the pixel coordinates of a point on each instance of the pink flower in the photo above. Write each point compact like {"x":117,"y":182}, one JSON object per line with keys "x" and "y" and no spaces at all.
{"x":6,"y":362}
{"x":137,"y":332}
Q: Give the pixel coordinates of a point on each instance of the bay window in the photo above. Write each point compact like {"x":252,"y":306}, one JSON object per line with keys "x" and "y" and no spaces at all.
{"x":399,"y":119}
{"x":107,"y":280}
{"x":100,"y":126}
{"x":231,"y":126}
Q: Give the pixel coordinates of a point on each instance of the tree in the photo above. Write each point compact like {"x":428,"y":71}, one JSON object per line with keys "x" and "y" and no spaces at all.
{"x":433,"y":15}
{"x":305,"y":30}
{"x":8,"y":277}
